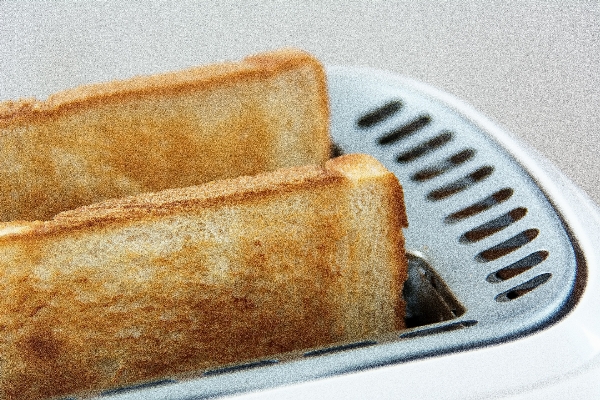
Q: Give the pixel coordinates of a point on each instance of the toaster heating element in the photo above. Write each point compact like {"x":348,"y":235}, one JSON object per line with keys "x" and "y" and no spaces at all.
{"x":492,"y":258}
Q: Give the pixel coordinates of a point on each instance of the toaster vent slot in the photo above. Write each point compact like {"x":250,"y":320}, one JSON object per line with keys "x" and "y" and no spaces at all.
{"x":379,"y":115}
{"x":508,"y":246}
{"x":481,"y":206}
{"x":240,"y":367}
{"x":493,"y":226}
{"x":425,"y":148}
{"x":405,"y":130}
{"x":343,"y":347}
{"x":523,"y":288}
{"x":517,"y":268}
{"x":444,"y":166}
{"x":461,"y":184}
{"x":439,"y":329}
{"x":139,"y":386}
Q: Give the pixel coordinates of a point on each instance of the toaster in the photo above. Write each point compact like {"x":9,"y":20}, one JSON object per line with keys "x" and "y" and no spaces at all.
{"x":503,"y":294}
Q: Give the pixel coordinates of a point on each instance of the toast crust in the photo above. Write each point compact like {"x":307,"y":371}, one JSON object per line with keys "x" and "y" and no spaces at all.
{"x":214,"y":194}
{"x":146,"y":134}
{"x":217,"y":193}
{"x":259,"y":66}
{"x":169,"y":283}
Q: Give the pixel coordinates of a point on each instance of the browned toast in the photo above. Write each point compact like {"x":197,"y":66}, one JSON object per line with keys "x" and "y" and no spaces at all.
{"x":182,"y":280}
{"x":150,"y":133}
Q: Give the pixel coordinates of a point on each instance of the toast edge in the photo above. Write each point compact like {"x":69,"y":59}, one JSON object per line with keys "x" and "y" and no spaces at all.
{"x":211,"y":194}
{"x":362,"y":166}
{"x":260,"y":65}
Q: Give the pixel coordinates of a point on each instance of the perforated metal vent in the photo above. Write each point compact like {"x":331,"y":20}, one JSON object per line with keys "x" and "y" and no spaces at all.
{"x":475,"y":215}
{"x":489,"y":257}
{"x":443,"y":163}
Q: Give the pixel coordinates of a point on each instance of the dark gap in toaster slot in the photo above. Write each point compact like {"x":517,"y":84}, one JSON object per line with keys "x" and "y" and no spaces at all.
{"x":381,"y":114}
{"x":239,"y":367}
{"x":461,"y":184}
{"x":405,"y":130}
{"x":481,"y":206}
{"x":343,"y":347}
{"x":137,"y":387}
{"x":508,"y":246}
{"x":518,"y":267}
{"x":428,"y":299}
{"x":335,"y":151}
{"x":523,"y":288}
{"x":444,"y":166}
{"x":425,"y":148}
{"x":493,"y":226}
{"x":439,"y":329}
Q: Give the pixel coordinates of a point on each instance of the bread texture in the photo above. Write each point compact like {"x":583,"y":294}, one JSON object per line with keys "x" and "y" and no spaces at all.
{"x":150,"y":133}
{"x":182,"y":280}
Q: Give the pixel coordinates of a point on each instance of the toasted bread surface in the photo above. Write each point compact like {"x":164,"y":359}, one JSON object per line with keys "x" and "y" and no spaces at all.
{"x":182,"y":280}
{"x":121,"y":138}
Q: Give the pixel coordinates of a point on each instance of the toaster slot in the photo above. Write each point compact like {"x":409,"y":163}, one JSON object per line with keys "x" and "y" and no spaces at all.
{"x":490,"y":259}
{"x":428,"y":299}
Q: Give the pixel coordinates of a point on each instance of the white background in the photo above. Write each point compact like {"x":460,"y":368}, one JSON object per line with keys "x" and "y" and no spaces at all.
{"x":531,"y":66}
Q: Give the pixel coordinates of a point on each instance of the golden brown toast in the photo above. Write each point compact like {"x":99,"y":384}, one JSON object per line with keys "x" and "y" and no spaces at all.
{"x":182,"y":280}
{"x":150,"y":133}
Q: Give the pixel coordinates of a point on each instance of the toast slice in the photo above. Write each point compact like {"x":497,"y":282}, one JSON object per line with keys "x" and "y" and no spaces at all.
{"x":182,"y":280}
{"x":150,"y":133}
